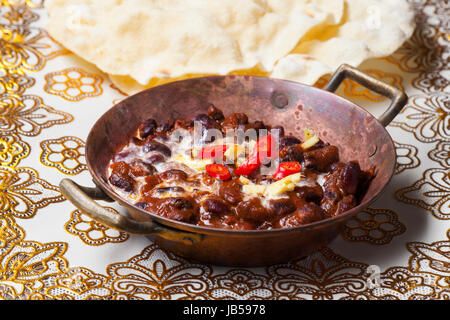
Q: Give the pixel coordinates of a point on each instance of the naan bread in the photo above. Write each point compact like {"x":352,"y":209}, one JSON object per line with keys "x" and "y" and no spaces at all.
{"x":141,"y":43}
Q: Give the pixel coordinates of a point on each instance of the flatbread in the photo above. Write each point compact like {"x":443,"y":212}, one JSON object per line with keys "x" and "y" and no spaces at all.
{"x":142,"y":43}
{"x":371,"y":29}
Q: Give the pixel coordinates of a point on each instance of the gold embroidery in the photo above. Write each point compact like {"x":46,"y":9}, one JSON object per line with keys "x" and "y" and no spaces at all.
{"x":73,"y":84}
{"x":9,"y":232}
{"x":24,"y":265}
{"x":65,"y":154}
{"x":19,"y":48}
{"x":321,"y":276}
{"x":20,"y":3}
{"x":31,"y":270}
{"x":92,"y":232}
{"x":421,"y":52}
{"x":156,"y":274}
{"x":240,"y":285}
{"x":402,"y":284}
{"x":27,"y":115}
{"x":431,"y":193}
{"x":376,"y":226}
{"x":20,"y":15}
{"x":427,"y":117}
{"x":441,"y":153}
{"x":77,"y":284}
{"x":406,"y":157}
{"x":22,"y":193}
{"x":14,"y":83}
{"x":12,"y":150}
{"x":433,"y":258}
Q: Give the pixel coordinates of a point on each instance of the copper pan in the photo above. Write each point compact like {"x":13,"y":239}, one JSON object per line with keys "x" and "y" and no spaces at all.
{"x":295,"y":106}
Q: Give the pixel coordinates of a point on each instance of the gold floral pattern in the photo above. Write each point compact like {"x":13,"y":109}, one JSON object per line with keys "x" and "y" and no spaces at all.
{"x":20,"y":48}
{"x":92,"y":232}
{"x":404,"y":284}
{"x":27,"y":115}
{"x":9,"y":232}
{"x":406,"y":157}
{"x":321,"y":276}
{"x":24,"y":264}
{"x":428,"y":117}
{"x":431,"y":193}
{"x":441,"y":153}
{"x":240,"y":285}
{"x":376,"y":226}
{"x":77,"y":284}
{"x":421,"y":52}
{"x":73,"y":84}
{"x":65,"y":154}
{"x":434,"y":258}
{"x":28,"y":4}
{"x":14,"y":83}
{"x":32,"y":270}
{"x":156,"y":274}
{"x":12,"y":150}
{"x":19,"y":15}
{"x":22,"y":193}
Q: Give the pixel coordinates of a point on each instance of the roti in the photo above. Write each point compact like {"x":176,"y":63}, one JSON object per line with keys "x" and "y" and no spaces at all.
{"x":142,"y":43}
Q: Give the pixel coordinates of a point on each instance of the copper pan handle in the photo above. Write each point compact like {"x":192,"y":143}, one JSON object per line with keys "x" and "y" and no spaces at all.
{"x":398,"y":98}
{"x":82,"y":198}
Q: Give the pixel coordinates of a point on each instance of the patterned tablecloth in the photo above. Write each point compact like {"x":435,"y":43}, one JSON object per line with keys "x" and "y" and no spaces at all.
{"x":399,"y":248}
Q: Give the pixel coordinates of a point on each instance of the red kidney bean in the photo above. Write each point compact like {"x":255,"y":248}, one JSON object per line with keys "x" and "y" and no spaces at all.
{"x":288,"y":141}
{"x":234,"y":120}
{"x":349,"y":177}
{"x":180,"y":203}
{"x":122,"y":182}
{"x":157,"y":146}
{"x":140,"y":168}
{"x":156,"y":158}
{"x":231,"y":191}
{"x":309,"y":193}
{"x":348,"y":202}
{"x":217,"y":206}
{"x":177,"y":208}
{"x":120,"y":176}
{"x":252,"y":210}
{"x":215,"y":113}
{"x":165,"y":127}
{"x":291,"y":153}
{"x":308,"y":213}
{"x":205,"y":120}
{"x":121,"y":155}
{"x":321,"y":158}
{"x":282,"y":207}
{"x":174,"y":174}
{"x":148,"y":127}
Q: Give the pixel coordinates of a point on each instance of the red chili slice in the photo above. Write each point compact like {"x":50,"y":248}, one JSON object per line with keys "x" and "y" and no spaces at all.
{"x":218,"y":171}
{"x":286,"y":169}
{"x":262,"y":151}
{"x":210,"y":152}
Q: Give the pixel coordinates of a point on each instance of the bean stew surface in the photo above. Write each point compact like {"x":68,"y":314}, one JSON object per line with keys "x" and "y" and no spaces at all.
{"x":232,"y":173}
